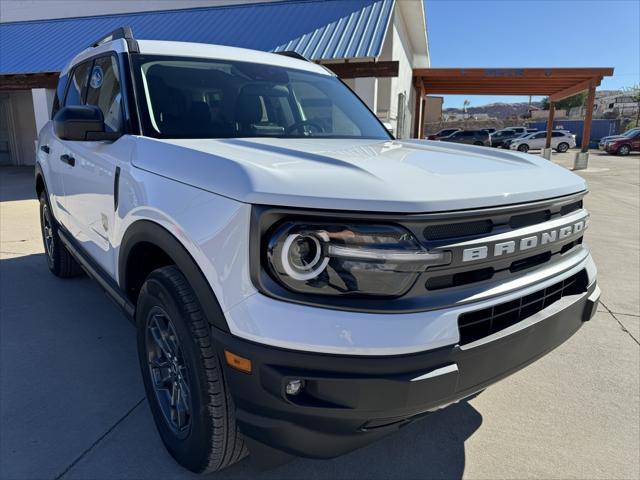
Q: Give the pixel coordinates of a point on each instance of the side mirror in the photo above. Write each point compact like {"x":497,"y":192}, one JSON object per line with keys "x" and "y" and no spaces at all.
{"x":81,"y":123}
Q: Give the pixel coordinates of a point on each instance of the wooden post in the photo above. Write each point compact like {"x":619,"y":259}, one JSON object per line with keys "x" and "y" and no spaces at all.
{"x":416,"y":113}
{"x":552,"y":112}
{"x":423,"y":104}
{"x":586,"y":128}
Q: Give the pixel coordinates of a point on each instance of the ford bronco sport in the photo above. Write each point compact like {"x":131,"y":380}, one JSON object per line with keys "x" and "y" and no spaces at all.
{"x":302,"y":283}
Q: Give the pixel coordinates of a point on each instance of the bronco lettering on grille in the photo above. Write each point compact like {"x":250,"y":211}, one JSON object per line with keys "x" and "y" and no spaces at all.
{"x":509,"y":247}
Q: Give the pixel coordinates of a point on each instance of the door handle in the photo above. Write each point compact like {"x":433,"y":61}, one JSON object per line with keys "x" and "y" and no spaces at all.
{"x":45,"y":148}
{"x":68,"y":159}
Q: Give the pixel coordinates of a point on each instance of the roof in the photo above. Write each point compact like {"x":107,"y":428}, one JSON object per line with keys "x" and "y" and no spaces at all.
{"x":556,"y":83}
{"x":317,"y":29}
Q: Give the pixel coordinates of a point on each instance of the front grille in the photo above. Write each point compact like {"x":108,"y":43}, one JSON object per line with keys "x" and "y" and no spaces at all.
{"x":481,"y":323}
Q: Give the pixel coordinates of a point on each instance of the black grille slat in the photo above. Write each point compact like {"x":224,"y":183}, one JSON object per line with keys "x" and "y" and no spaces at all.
{"x":480,"y":323}
{"x":572,"y":207}
{"x":463,"y":229}
{"x":528,"y":219}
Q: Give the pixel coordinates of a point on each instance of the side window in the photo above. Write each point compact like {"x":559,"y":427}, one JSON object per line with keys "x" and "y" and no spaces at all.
{"x":104,"y":91}
{"x":557,"y":134}
{"x":540,"y":135}
{"x":78,"y":85}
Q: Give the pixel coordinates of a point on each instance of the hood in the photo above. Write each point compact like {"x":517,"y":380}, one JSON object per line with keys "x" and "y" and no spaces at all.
{"x":367,"y":175}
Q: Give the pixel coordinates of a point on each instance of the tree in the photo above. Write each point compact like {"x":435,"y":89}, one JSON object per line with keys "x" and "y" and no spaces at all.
{"x":566,"y":103}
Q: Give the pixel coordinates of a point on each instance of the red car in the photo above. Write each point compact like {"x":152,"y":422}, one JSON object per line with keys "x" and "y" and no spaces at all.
{"x":625,"y":144}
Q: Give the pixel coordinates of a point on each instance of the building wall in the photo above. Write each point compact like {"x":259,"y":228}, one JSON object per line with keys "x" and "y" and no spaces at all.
{"x":22,"y":127}
{"x":397,"y":46}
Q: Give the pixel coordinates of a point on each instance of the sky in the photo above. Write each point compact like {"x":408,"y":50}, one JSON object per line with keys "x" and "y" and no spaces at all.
{"x":535,"y":33}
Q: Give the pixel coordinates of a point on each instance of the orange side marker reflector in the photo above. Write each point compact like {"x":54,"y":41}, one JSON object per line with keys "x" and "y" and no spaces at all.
{"x":238,"y":362}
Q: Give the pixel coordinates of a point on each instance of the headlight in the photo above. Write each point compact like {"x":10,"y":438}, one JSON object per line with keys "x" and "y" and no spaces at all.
{"x":347,"y":259}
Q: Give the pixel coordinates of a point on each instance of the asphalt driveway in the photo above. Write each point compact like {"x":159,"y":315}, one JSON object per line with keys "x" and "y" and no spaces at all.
{"x":72,"y":403}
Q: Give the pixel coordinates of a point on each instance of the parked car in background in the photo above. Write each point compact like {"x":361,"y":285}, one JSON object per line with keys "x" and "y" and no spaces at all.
{"x":625,"y":144}
{"x":516,"y":129}
{"x":489,"y":130}
{"x":445,"y":132}
{"x":507,"y":143}
{"x":561,"y":141}
{"x":604,"y":140}
{"x":471,"y":137}
{"x":498,"y":138}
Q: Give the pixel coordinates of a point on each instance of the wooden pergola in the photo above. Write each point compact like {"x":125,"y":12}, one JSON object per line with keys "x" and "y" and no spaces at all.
{"x":556,"y":83}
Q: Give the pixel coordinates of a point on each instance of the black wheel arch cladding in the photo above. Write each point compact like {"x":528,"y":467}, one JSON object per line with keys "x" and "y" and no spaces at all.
{"x":145,"y":231}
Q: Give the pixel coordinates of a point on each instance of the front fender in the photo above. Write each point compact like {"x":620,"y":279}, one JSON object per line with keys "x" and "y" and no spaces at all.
{"x":206,"y":235}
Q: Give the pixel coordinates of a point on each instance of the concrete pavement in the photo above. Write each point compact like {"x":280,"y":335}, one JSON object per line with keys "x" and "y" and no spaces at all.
{"x":72,"y":403}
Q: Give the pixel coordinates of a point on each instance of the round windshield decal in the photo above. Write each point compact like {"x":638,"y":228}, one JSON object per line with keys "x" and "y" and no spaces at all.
{"x":96,"y":77}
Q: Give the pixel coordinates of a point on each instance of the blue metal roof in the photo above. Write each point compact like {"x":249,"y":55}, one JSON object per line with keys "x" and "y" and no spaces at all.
{"x":319,"y":30}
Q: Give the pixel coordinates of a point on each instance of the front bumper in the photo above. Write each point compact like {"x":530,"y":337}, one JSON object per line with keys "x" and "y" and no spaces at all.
{"x":350,"y":401}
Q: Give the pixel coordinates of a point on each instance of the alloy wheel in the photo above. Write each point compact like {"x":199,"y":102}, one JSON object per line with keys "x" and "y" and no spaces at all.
{"x":47,"y":231}
{"x":168,"y":371}
{"x":624,"y":150}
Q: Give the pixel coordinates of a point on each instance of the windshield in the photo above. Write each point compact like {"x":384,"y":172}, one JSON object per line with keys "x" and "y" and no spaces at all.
{"x":206,"y":98}
{"x":631,"y":133}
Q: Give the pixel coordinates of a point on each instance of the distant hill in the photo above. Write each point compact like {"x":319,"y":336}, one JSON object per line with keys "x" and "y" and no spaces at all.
{"x":499,"y":109}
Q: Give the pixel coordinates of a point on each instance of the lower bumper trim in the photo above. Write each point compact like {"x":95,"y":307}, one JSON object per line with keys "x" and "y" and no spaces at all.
{"x":349,"y":402}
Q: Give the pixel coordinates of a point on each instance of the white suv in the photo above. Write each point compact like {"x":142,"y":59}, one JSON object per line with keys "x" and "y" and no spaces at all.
{"x":561,"y":141}
{"x":301,"y":282}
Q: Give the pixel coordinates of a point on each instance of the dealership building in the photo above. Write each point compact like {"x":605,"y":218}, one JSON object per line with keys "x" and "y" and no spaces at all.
{"x":373,"y":45}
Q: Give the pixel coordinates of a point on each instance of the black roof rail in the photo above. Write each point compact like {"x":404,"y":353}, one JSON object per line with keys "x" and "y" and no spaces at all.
{"x":125,"y":33}
{"x":293,"y":54}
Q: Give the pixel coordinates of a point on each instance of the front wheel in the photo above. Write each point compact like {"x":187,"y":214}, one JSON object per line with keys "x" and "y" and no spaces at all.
{"x":523,"y":148}
{"x":624,"y":150}
{"x":562,"y":147}
{"x":183,"y":378}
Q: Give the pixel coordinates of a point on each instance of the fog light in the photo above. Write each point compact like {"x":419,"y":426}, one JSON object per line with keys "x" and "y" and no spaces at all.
{"x":294,"y":387}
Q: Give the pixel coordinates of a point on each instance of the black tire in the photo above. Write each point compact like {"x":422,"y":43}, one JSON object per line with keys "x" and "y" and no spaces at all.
{"x":523,"y":148}
{"x":624,"y":150}
{"x":562,"y":147}
{"x":479,"y":144}
{"x":208,"y":440}
{"x":59,"y":260}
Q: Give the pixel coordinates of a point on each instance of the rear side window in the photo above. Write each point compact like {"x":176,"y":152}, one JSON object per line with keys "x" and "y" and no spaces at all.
{"x":104,"y":92}
{"x":78,"y":85}
{"x":557,"y":134}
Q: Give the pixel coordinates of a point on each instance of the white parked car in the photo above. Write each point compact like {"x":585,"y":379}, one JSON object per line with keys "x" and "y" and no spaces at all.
{"x":561,"y":141}
{"x":301,"y":282}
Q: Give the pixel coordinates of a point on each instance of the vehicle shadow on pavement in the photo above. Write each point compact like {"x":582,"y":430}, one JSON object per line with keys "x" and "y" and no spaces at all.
{"x":431,"y":448}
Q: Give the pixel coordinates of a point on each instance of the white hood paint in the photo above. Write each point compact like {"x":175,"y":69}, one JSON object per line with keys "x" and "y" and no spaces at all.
{"x":365,"y":175}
